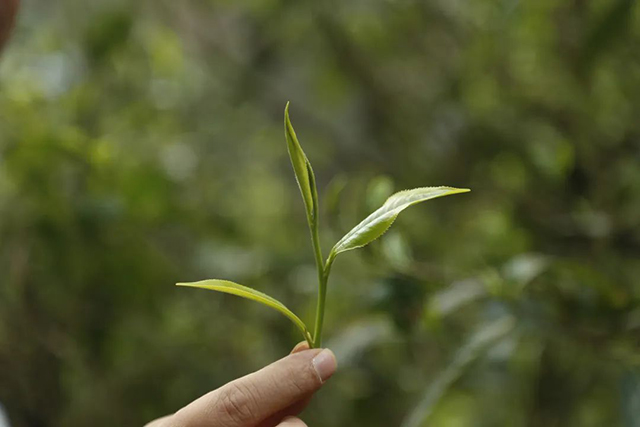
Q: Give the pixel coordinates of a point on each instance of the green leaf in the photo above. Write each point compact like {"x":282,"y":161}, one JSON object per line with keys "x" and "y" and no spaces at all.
{"x":232,"y":288}
{"x":302,"y":168}
{"x":379,"y":221}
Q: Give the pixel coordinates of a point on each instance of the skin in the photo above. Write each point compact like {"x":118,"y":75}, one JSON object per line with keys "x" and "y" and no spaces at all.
{"x":270,"y":397}
{"x":8,"y":10}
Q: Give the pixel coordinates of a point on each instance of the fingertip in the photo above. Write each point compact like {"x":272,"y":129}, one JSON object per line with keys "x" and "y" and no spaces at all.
{"x":301,"y":346}
{"x":292,"y":422}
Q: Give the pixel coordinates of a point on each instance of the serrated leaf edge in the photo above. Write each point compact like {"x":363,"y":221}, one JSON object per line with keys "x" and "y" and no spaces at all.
{"x":392,"y":213}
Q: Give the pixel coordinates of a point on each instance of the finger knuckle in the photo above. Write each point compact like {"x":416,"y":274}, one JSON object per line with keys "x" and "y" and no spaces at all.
{"x":299,"y":382}
{"x":237,"y":404}
{"x":301,"y":385}
{"x":306,"y":381}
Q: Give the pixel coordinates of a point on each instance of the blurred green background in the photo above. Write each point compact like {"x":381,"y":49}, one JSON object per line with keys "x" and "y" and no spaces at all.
{"x":141,"y":143}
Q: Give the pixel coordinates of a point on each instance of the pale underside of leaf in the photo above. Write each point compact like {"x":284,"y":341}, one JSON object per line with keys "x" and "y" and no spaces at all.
{"x":301,"y":167}
{"x":376,"y":224}
{"x":233,"y":288}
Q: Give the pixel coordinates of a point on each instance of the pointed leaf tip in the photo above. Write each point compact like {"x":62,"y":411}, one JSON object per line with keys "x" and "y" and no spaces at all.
{"x":302,"y":169}
{"x":376,"y":224}
{"x":228,"y":287}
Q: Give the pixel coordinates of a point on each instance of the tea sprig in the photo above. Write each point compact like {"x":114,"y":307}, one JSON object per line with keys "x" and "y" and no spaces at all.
{"x":368,"y":230}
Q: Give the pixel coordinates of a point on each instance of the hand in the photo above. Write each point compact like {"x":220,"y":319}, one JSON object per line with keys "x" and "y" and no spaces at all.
{"x":269,"y":397}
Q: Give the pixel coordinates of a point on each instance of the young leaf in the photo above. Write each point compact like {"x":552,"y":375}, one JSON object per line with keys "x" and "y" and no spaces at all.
{"x":302,"y":169}
{"x":228,"y":287}
{"x":376,"y":224}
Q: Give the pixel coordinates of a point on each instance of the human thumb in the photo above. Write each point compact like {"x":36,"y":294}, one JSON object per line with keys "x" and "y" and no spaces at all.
{"x":253,"y":398}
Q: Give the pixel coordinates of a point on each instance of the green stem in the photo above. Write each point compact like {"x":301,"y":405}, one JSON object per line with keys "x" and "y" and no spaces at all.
{"x":313,"y":220}
{"x":307,"y":336}
{"x":322,"y":295}
{"x":322,"y":285}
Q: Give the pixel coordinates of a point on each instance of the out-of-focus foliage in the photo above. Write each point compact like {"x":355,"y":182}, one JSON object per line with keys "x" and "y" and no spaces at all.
{"x":141,"y":143}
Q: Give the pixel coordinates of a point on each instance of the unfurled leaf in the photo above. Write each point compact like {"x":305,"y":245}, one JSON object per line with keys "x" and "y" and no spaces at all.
{"x":228,"y":287}
{"x":302,"y":168}
{"x":379,"y":221}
